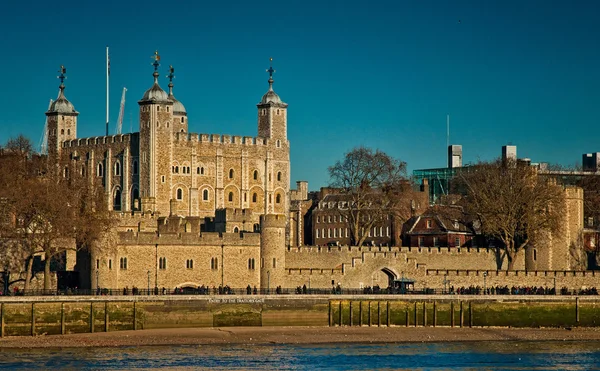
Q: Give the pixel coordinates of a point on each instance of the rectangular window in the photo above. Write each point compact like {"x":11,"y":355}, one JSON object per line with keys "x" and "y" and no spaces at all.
{"x":318,"y":219}
{"x":317,"y":233}
{"x":421,"y":241}
{"x":457,"y":242}
{"x":97,"y":263}
{"x":387,"y":231}
{"x":274,"y":263}
{"x":123,"y":263}
{"x":428,"y":223}
{"x":162,"y":263}
{"x":436,"y":241}
{"x":109,"y":263}
{"x":189,"y":264}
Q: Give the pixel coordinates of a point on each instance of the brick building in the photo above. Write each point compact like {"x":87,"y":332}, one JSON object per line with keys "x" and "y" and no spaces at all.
{"x":434,"y":229}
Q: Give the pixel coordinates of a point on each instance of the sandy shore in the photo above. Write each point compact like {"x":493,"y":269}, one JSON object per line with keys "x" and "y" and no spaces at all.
{"x":294,"y":335}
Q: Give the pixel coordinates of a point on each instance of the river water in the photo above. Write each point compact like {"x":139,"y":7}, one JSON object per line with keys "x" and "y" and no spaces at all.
{"x":548,"y":355}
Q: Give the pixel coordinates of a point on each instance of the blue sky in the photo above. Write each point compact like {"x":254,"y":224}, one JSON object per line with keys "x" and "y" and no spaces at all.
{"x":383,"y":74}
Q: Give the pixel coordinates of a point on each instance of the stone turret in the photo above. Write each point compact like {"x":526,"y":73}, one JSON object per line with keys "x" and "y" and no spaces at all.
{"x":156,"y":147}
{"x":272,"y":113}
{"x":62,"y":120}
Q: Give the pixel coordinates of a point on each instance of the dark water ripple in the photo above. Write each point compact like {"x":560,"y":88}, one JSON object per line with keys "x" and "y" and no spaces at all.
{"x":422,"y":356}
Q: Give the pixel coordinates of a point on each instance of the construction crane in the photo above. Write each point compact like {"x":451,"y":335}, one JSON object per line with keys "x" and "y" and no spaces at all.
{"x":44,"y":140}
{"x":121,"y":111}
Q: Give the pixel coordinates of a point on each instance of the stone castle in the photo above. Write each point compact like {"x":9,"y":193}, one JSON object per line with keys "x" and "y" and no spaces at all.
{"x":216,"y":210}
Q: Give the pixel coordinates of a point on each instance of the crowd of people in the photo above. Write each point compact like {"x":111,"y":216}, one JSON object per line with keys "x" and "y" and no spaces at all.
{"x":519,"y":290}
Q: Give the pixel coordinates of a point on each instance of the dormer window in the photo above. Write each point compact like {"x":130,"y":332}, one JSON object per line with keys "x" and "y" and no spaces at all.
{"x":429,"y":223}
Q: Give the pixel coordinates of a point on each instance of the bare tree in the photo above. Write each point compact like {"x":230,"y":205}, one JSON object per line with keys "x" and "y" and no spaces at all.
{"x":47,"y":212}
{"x":511,"y":203}
{"x":375,"y":187}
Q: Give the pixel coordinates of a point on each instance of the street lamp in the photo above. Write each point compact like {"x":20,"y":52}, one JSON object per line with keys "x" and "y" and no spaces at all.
{"x":445,"y":282}
{"x":402,"y":284}
{"x":6,"y":279}
{"x":268,"y":282}
{"x":484,"y":283}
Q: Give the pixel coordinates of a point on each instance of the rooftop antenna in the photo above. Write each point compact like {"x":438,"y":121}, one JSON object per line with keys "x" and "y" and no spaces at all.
{"x":107,"y":77}
{"x":447,"y":131}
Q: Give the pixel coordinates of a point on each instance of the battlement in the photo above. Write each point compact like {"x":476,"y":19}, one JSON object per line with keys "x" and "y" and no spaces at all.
{"x":314,"y":271}
{"x":189,"y":239}
{"x":94,"y":141}
{"x":573,"y":192}
{"x":273,"y":221}
{"x":513,"y":273}
{"x":392,"y":249}
{"x":219,"y":139}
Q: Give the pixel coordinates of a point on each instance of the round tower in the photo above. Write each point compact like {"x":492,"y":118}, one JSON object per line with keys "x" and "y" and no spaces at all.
{"x":272,"y":251}
{"x":62,"y":120}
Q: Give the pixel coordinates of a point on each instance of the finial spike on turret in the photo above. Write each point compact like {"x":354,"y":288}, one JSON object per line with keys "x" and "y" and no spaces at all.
{"x":62,"y":72}
{"x":271,"y":71}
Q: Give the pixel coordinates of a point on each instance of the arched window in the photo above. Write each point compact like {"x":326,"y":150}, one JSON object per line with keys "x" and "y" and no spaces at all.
{"x":117,"y":168}
{"x":279,"y":176}
{"x":236,"y":230}
{"x":254,"y":197}
{"x":62,"y":131}
{"x":66,"y":172}
{"x":230,"y":173}
{"x":135,"y":196}
{"x":117,"y":200}
{"x":176,"y":169}
{"x":205,"y":195}
{"x":182,"y":120}
{"x":278,"y":199}
{"x":179,"y":194}
{"x":255,"y":174}
{"x":278,"y":143}
{"x":100,"y":169}
{"x":230,"y":196}
{"x":135,"y":167}
{"x":201,"y":171}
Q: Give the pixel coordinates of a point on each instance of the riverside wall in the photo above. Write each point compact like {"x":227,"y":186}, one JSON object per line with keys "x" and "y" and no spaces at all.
{"x":55,"y":315}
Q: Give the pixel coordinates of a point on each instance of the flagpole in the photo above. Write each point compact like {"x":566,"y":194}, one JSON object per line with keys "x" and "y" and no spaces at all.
{"x":107,"y":75}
